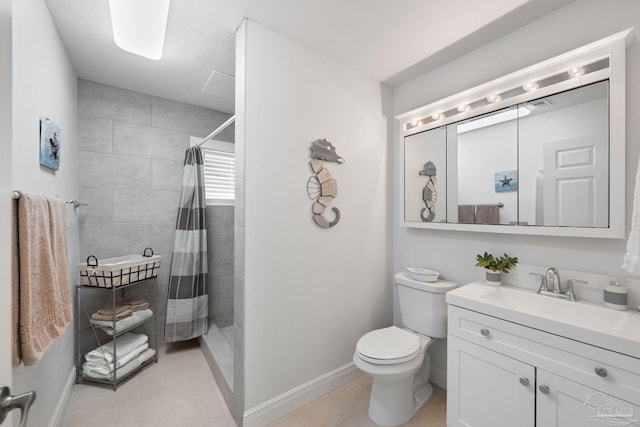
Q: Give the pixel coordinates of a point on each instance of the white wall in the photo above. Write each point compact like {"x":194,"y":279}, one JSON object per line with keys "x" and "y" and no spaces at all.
{"x":44,"y":84}
{"x":309,"y":293}
{"x":453,"y":253}
{"x":478,"y":164}
{"x":5,"y":188}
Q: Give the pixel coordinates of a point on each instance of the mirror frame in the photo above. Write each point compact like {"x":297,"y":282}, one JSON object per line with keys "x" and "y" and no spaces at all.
{"x":612,"y":47}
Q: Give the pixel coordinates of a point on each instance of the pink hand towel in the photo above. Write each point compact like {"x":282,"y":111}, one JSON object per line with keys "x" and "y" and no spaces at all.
{"x":45,"y":297}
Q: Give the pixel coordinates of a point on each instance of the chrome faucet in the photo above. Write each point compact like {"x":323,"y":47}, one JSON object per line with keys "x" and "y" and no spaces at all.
{"x":553,"y":281}
{"x":551,"y":285}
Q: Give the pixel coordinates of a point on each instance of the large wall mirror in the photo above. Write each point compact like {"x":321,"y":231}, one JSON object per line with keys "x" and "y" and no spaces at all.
{"x":545,"y":156}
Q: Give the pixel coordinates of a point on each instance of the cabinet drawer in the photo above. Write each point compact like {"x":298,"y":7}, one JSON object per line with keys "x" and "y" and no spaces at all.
{"x":601,"y":369}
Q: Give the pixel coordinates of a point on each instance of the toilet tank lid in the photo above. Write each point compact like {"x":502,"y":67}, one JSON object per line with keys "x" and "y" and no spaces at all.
{"x":437,"y":287}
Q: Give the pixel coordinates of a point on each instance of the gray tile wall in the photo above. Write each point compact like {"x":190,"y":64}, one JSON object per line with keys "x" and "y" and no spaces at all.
{"x":131,"y":153}
{"x":220,"y":259}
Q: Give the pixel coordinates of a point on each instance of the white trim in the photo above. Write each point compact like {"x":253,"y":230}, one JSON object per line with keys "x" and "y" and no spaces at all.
{"x":291,"y":400}
{"x":438,"y":377}
{"x":63,"y":402}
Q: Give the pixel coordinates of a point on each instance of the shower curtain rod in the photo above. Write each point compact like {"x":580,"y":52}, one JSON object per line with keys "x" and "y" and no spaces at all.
{"x":217,"y":131}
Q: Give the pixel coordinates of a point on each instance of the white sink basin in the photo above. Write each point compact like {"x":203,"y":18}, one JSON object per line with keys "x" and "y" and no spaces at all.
{"x":582,"y":321}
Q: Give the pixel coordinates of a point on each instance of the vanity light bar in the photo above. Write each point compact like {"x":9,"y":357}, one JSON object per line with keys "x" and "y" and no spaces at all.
{"x":529,"y":86}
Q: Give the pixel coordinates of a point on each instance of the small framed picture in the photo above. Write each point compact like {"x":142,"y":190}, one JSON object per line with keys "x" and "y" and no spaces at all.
{"x":506,"y":181}
{"x":50,"y":144}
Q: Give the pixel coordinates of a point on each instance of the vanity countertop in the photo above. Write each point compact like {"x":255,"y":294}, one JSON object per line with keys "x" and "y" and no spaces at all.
{"x":582,"y":321}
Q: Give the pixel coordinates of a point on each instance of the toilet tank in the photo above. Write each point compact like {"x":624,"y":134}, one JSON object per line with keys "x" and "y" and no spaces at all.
{"x":422,"y":305}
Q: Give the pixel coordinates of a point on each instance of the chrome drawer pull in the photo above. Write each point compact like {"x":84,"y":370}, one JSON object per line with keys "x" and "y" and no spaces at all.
{"x":602,"y":372}
{"x":544,"y":389}
{"x":484,"y":332}
{"x":524,"y":381}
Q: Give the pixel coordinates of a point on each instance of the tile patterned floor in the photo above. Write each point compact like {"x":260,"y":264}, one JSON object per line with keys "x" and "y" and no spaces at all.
{"x":347,"y":407}
{"x":177,"y":391}
{"x":180,"y":391}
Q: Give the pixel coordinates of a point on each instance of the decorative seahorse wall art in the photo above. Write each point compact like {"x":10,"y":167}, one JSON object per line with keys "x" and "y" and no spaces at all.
{"x":429,"y":194}
{"x":321,"y":186}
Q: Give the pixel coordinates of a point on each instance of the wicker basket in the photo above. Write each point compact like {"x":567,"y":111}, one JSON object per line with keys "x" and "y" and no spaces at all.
{"x":119,"y":271}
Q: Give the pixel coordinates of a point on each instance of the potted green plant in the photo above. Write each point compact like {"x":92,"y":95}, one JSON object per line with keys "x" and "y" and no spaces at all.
{"x":495,"y":266}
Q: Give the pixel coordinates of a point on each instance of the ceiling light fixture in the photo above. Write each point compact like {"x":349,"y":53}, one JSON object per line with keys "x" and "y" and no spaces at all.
{"x":139,"y":26}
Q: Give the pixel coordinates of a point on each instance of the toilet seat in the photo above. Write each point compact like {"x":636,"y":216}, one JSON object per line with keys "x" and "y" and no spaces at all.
{"x":387,"y":346}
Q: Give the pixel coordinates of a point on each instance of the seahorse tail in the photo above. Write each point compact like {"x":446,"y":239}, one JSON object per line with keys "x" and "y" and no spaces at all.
{"x":429,"y":217}
{"x":322,"y":221}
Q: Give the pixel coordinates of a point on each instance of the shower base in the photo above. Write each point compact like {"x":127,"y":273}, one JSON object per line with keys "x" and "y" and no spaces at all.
{"x":219,"y":341}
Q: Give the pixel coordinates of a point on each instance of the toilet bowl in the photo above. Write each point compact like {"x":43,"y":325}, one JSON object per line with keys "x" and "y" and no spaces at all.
{"x":397,"y":361}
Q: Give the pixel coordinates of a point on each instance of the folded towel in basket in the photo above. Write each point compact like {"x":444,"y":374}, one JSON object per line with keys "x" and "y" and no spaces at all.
{"x":125,"y":369}
{"x":122,"y":324}
{"x":102,"y":368}
{"x":124,"y":344}
{"x":108,"y":311}
{"x":118,"y":316}
{"x":135,"y":304}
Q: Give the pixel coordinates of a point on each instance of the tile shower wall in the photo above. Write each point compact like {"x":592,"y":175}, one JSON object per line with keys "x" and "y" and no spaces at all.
{"x":220,"y":260}
{"x":131,"y":152}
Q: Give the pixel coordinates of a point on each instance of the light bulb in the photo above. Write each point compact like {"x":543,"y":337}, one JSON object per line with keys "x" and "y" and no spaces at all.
{"x":464,"y":107}
{"x":576,"y":71}
{"x":494,"y":98}
{"x":530,"y":86}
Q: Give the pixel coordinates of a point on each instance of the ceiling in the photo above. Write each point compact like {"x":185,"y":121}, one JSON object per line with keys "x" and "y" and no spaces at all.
{"x":391,"y":41}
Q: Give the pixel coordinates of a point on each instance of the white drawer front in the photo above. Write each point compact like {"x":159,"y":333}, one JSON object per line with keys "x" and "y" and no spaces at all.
{"x":601,"y":369}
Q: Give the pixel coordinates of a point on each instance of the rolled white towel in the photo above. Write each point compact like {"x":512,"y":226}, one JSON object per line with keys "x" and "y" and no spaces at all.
{"x":125,"y":369}
{"x":124,"y":345}
{"x":106,"y":369}
{"x":128,"y":322}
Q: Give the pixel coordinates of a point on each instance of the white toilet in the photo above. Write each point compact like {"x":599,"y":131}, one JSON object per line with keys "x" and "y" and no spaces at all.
{"x":397,"y":358}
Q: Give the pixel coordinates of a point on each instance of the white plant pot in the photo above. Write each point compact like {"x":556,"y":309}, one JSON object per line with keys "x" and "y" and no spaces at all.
{"x":493,"y":277}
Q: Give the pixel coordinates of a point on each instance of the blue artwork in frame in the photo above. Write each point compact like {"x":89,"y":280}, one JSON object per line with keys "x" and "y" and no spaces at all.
{"x":50,"y":144}
{"x":506,"y":181}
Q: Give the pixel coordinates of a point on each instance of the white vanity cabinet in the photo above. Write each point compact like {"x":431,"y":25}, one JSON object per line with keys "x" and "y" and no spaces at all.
{"x":490,"y":389}
{"x":501,"y":373}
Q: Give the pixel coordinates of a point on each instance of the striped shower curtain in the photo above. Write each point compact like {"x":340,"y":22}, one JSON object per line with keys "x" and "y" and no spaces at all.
{"x":187,"y":296}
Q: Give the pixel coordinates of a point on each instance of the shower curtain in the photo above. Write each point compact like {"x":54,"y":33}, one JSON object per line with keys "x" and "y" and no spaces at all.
{"x":187,"y":296}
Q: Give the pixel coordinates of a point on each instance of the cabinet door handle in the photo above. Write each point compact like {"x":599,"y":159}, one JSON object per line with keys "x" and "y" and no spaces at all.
{"x":524,"y":381}
{"x":602,"y":372}
{"x":484,"y":332}
{"x":544,"y":389}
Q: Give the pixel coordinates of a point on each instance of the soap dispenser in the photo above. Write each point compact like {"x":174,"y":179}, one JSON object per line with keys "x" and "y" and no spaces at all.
{"x":615,"y":296}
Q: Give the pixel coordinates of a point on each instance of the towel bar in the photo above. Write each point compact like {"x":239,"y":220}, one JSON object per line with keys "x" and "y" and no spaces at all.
{"x":76,"y":203}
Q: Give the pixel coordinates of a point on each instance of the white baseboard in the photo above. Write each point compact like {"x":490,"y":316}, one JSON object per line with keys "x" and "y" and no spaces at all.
{"x":438,"y":377}
{"x":289,"y":401}
{"x":58,"y":414}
